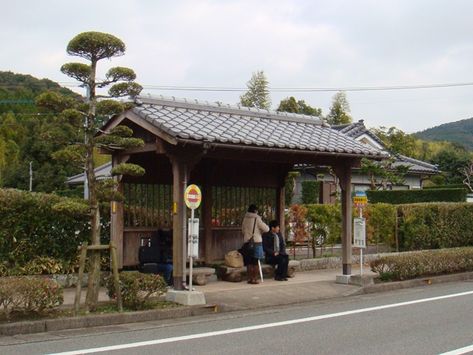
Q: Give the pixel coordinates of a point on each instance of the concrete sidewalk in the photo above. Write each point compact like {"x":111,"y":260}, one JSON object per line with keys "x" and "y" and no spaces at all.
{"x":304,"y":287}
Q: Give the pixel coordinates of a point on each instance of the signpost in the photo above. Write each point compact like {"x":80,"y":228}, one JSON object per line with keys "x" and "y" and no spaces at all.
{"x":192,"y":198}
{"x":359,"y":225}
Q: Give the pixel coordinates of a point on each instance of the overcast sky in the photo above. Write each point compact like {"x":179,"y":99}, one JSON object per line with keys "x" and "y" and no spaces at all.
{"x":305,"y":43}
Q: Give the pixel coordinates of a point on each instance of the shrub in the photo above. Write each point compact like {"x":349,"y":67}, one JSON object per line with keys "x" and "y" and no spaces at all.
{"x":435,"y":225}
{"x":423,"y":263}
{"x":326,"y":219}
{"x":310,"y":191}
{"x":416,"y":196}
{"x":136,"y":288}
{"x":381,"y":224}
{"x":29,"y":294}
{"x":31,"y":227}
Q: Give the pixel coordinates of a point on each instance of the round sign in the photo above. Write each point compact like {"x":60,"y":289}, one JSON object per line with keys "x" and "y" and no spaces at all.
{"x":192,"y":196}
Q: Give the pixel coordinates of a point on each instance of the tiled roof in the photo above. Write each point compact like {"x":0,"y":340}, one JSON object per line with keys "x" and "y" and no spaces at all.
{"x":101,"y":172}
{"x":358,"y":129}
{"x":416,"y":165}
{"x":218,"y":123}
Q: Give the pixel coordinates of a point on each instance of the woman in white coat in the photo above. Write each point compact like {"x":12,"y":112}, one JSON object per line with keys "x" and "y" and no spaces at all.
{"x":253,"y":227}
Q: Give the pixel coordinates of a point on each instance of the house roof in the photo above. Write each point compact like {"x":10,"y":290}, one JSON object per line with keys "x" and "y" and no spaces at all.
{"x":218,"y":123}
{"x":103,"y":171}
{"x":415,"y":165}
{"x":358,"y":129}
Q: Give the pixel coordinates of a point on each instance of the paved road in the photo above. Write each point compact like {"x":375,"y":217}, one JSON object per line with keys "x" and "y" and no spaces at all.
{"x":426,"y":320}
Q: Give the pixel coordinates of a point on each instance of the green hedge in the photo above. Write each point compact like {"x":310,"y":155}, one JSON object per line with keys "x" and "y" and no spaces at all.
{"x":451,"y":186}
{"x":407,"y":227}
{"x":310,"y":191}
{"x":423,"y":263}
{"x":416,"y":196}
{"x":30,"y":228}
{"x":435,"y":225}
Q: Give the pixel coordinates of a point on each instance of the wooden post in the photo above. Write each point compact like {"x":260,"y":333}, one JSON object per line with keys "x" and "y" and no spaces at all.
{"x":207,"y":218}
{"x":178,"y":210}
{"x":344,"y":176}
{"x":116,"y":277}
{"x":83,"y":254}
{"x":280,"y":207}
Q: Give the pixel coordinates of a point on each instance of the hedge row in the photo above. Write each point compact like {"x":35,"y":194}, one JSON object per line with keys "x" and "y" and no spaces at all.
{"x":417,"y":196}
{"x":31,"y":228}
{"x":423,"y":263}
{"x":404,"y":227}
{"x":435,"y":225}
{"x":380,"y":219}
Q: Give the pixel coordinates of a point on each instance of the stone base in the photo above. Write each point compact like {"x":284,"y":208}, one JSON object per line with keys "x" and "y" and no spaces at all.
{"x":186,"y":298}
{"x":343,"y":279}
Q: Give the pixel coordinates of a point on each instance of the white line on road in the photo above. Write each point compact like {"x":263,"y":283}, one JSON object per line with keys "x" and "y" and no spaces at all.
{"x":460,"y":351}
{"x":260,"y":326}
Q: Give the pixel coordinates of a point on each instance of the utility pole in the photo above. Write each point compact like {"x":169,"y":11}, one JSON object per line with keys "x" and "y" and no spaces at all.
{"x":31,"y":176}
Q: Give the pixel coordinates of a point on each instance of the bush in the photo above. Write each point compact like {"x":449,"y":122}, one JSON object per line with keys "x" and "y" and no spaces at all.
{"x":423,"y":263}
{"x":327,"y":220}
{"x":29,"y":294}
{"x":30,"y":227}
{"x":136,"y":288}
{"x":435,"y":225}
{"x":381,"y":224}
{"x":310,"y":191}
{"x":416,"y":196}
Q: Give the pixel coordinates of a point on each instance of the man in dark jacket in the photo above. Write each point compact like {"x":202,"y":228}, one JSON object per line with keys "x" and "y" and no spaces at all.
{"x":275,"y":251}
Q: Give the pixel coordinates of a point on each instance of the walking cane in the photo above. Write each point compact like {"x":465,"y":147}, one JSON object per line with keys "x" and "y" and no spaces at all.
{"x":260,"y":271}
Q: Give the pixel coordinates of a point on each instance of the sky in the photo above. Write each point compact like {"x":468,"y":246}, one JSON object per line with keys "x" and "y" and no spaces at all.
{"x":298,"y":44}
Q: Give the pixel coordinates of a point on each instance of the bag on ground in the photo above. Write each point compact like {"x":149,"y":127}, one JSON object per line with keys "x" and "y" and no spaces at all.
{"x":234,"y":259}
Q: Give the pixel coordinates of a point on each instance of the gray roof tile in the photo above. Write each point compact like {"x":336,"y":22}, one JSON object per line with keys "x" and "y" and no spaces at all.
{"x":188,"y":119}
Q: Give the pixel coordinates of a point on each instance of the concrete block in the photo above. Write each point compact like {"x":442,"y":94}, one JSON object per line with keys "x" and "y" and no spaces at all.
{"x":343,"y":279}
{"x":187,"y":298}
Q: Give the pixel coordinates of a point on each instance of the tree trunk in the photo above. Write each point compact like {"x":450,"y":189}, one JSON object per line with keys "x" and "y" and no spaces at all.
{"x":93,"y":285}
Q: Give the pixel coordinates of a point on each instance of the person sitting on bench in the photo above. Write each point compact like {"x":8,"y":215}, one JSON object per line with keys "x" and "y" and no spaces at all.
{"x":275,"y":250}
{"x":155,"y":254}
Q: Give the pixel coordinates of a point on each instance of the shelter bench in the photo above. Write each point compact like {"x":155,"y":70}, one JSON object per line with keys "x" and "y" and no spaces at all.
{"x":200,"y":275}
{"x":237,"y":274}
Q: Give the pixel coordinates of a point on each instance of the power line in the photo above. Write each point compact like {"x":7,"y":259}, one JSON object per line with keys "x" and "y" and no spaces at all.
{"x":281,"y":89}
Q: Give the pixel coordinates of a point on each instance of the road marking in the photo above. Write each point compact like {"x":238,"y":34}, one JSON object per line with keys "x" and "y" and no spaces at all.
{"x":460,"y":351}
{"x":260,"y":326}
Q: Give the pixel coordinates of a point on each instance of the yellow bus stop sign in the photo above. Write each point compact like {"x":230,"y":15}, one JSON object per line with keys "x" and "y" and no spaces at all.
{"x":192,"y":196}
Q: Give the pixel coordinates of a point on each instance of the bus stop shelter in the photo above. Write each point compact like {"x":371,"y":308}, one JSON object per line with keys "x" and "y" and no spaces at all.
{"x":237,"y":156}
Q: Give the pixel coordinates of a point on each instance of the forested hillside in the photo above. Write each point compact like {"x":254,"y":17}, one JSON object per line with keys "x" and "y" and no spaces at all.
{"x":460,"y":132}
{"x":28,"y":133}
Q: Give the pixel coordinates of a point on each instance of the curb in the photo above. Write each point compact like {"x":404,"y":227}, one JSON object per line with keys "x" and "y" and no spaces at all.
{"x":46,"y":325}
{"x":397,"y":285}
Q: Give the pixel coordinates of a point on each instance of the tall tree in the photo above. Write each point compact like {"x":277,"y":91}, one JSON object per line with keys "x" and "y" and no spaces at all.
{"x":258,"y":92}
{"x":290,"y":104}
{"x":95,"y":46}
{"x":397,"y":141}
{"x":340,"y":110}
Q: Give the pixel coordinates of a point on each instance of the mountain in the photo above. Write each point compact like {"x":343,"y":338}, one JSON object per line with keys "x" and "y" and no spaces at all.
{"x":18,"y":91}
{"x":460,"y":132}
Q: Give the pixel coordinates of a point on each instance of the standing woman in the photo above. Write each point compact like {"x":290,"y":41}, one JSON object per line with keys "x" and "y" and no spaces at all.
{"x":253,"y":227}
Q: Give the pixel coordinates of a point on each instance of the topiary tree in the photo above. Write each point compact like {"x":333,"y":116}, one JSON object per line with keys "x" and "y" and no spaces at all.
{"x":93,"y":47}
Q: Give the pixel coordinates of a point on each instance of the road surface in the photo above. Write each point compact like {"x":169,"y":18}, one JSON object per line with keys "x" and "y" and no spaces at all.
{"x":426,"y":320}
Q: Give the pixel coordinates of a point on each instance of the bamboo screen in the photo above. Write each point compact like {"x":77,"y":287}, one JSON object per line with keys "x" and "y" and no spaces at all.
{"x":150,"y":205}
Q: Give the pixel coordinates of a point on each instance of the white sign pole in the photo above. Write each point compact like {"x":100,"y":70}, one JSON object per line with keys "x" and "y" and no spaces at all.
{"x":191,"y":249}
{"x":361,"y":249}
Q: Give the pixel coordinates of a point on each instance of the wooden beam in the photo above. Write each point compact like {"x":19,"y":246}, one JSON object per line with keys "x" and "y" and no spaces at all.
{"x":207,"y":213}
{"x":344,"y":176}
{"x":178,"y":222}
